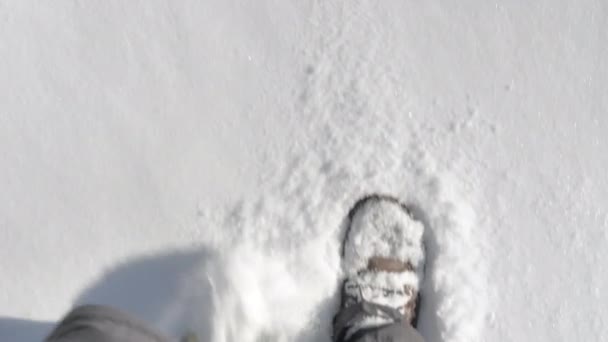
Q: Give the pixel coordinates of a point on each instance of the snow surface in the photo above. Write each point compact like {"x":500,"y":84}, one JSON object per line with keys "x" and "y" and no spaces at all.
{"x":192,"y":161}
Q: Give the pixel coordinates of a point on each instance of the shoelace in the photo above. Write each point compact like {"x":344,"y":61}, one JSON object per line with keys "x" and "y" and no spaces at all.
{"x":358,"y":291}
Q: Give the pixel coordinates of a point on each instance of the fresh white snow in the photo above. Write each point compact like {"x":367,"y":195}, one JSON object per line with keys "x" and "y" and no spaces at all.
{"x":192,"y":162}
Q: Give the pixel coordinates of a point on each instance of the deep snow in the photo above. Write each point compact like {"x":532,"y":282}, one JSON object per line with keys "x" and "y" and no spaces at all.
{"x":192,"y":161}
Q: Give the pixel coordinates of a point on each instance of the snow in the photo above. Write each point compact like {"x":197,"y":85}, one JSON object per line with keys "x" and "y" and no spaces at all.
{"x":192,"y":162}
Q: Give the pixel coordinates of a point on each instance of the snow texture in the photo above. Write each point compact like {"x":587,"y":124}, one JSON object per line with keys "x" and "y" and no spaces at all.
{"x":193,"y":162}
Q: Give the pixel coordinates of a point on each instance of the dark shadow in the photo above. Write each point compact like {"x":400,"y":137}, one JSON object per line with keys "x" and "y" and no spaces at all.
{"x":148,"y":287}
{"x":144,"y":286}
{"x":20,"y":330}
{"x":164,"y":290}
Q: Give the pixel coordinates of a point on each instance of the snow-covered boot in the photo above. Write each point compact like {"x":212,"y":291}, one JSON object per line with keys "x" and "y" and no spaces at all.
{"x":383,"y":261}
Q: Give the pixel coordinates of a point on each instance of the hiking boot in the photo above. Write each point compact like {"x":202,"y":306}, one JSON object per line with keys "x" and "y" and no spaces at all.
{"x":383,"y":260}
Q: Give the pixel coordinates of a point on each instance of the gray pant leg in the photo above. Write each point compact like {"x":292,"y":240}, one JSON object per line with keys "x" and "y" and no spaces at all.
{"x":345,"y":325}
{"x":396,"y":332}
{"x":93,"y":323}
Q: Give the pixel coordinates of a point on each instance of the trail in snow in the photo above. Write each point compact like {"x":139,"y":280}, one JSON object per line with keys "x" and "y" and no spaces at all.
{"x":361,"y":140}
{"x":298,"y":224}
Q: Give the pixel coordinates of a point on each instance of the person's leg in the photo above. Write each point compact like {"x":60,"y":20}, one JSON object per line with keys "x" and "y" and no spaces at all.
{"x":396,"y":332}
{"x":94,"y":323}
{"x":392,"y":329}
